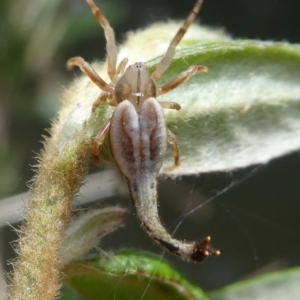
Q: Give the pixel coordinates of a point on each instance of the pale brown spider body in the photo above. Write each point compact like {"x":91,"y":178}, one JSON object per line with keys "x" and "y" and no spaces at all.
{"x":137,"y":130}
{"x":135,"y":85}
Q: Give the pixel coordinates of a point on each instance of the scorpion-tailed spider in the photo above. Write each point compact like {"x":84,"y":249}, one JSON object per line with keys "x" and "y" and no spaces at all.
{"x":137,"y":130}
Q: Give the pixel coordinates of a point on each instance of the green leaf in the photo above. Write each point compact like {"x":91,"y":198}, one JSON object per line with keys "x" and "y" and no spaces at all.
{"x":85,"y":232}
{"x":245,"y":111}
{"x":129,"y":275}
{"x":69,"y":294}
{"x":276,"y":286}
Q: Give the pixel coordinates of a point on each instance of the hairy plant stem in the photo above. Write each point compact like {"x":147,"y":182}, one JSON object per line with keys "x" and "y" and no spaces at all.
{"x":58,"y":179}
{"x":62,"y":166}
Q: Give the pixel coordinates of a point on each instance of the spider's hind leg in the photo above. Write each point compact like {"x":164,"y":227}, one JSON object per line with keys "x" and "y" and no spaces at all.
{"x":176,"y":151}
{"x":98,"y":141}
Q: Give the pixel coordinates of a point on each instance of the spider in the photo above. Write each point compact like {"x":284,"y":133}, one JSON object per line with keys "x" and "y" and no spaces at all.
{"x":137,"y":130}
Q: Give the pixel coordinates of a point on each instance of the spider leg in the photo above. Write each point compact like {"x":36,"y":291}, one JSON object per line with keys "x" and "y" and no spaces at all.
{"x":181,"y":78}
{"x":106,"y":97}
{"x":166,"y":60}
{"x":111,"y":47}
{"x":170,"y":105}
{"x":176,"y":152}
{"x":98,"y":141}
{"x":121,"y":66}
{"x":87,"y":69}
{"x":120,"y":70}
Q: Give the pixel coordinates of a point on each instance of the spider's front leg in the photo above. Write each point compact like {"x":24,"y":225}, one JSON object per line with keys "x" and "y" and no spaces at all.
{"x":165,"y":62}
{"x":111,"y":47}
{"x":87,"y":69}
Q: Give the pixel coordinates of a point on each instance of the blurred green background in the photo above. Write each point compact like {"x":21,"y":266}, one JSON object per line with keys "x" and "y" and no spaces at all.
{"x":255,"y":225}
